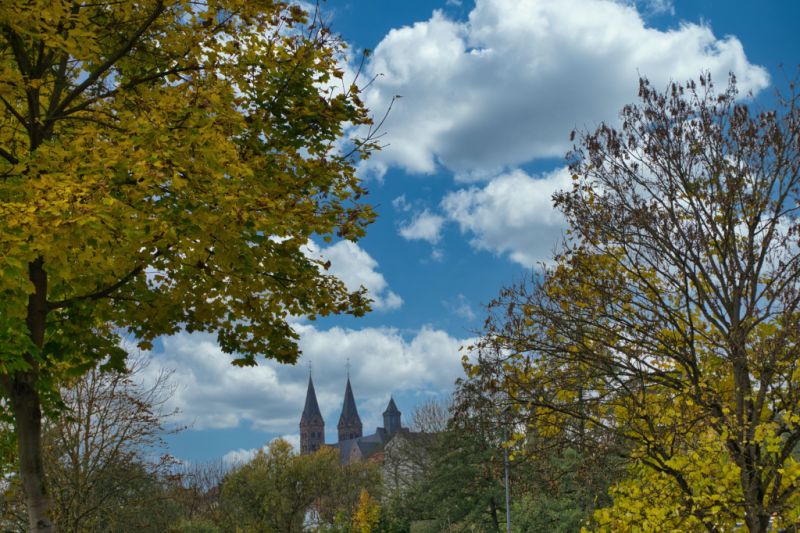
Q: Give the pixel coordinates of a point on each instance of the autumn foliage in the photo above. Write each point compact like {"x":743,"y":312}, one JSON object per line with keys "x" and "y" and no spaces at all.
{"x":669,"y":321}
{"x":162,"y":165}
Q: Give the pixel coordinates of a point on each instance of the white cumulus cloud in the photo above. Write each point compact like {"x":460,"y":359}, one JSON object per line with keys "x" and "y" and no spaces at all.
{"x":512,"y":214}
{"x":507,"y":85}
{"x":425,"y":226}
{"x":356,"y":268}
{"x":240,"y":456}
{"x":213,"y":394}
{"x":243,"y":455}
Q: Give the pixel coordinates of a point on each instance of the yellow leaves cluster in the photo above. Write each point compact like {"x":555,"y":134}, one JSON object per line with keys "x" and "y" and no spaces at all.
{"x":367,"y":514}
{"x":167,"y":160}
{"x":650,"y":500}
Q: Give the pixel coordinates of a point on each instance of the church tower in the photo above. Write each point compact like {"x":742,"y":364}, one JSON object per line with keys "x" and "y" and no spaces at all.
{"x":312,"y":426}
{"x":391,"y":418}
{"x":349,"y":422}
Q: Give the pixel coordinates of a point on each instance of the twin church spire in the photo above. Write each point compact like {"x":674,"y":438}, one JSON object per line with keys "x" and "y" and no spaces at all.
{"x":312,"y":425}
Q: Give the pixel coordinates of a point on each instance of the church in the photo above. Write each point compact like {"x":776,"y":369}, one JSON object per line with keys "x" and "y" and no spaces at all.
{"x":352,"y":444}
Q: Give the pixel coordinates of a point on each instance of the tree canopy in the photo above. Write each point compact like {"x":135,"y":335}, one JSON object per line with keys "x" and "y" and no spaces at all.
{"x":670,"y":318}
{"x":282,"y":492}
{"x":162,"y":165}
{"x":104,"y":455}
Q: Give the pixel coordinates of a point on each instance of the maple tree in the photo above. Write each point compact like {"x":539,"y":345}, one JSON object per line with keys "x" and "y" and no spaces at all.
{"x":162,"y":165}
{"x":670,"y":319}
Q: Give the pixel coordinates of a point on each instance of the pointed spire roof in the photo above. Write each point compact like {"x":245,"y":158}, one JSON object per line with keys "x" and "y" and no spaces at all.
{"x":311,"y":410}
{"x":349,"y":411}
{"x":391,"y":409}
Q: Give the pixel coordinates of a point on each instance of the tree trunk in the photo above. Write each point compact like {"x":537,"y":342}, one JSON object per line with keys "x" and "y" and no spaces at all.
{"x":493,"y":514}
{"x":757,"y":520}
{"x":28,"y":417}
{"x":25,"y":402}
{"x":758,"y":525}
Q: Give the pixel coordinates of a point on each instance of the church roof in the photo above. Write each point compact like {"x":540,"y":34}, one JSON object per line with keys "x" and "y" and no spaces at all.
{"x":311,"y":409}
{"x":349,"y":414}
{"x":361,"y":447}
{"x":391,"y":409}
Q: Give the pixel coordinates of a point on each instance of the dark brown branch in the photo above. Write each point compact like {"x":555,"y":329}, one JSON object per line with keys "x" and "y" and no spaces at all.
{"x":8,"y":156}
{"x":97,"y":295}
{"x":112,"y":59}
{"x":14,"y":112}
{"x":127,"y":86}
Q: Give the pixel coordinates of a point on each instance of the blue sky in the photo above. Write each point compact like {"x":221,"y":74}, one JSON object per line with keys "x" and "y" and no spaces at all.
{"x":490,"y":92}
